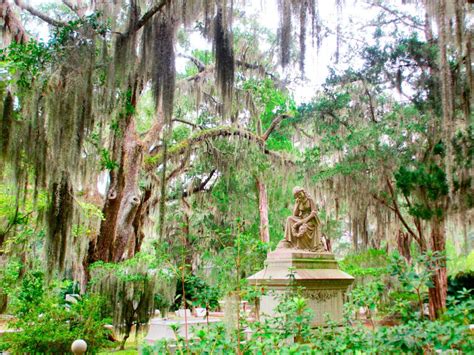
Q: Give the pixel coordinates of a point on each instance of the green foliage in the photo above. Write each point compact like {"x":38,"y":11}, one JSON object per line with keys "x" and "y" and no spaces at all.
{"x":432,"y":178}
{"x":44,"y":324}
{"x":372,"y":262}
{"x":162,"y":304}
{"x":25,"y":62}
{"x":368,"y":296}
{"x":145,"y":112}
{"x":272,"y":102}
{"x":128,"y":270}
{"x":180,"y":133}
{"x":198,"y":293}
{"x":106,"y":161}
{"x":234,"y":263}
{"x":415,"y":275}
{"x":129,"y":289}
{"x":290,"y":333}
{"x":460,"y":282}
{"x":9,"y":275}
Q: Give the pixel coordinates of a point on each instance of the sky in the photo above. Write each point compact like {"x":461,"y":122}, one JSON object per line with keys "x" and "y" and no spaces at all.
{"x":266,"y":11}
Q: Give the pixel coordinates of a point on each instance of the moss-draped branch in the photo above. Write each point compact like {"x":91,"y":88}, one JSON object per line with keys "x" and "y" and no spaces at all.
{"x":212,"y":133}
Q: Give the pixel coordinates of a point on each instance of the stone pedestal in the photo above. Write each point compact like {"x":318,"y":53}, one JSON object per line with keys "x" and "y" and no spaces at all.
{"x":318,"y":273}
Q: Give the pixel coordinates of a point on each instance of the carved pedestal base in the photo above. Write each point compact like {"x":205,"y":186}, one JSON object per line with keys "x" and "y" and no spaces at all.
{"x":318,"y":273}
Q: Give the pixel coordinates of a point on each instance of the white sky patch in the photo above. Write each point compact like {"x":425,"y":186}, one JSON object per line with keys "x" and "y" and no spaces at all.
{"x":355,"y":14}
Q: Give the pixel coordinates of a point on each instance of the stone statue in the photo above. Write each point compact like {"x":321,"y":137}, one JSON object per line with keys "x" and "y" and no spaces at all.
{"x":302,"y":228}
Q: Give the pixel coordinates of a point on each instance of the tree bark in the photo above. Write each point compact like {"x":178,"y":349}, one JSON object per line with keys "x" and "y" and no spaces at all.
{"x":403,"y":245}
{"x":437,"y":294}
{"x":117,"y":238}
{"x":125,"y":238}
{"x":263,"y":210}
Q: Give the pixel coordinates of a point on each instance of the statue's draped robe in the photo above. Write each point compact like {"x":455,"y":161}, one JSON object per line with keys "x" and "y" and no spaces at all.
{"x":306,"y":236}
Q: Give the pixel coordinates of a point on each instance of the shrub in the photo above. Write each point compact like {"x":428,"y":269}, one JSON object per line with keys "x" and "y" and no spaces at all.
{"x":460,"y":281}
{"x":198,"y":293}
{"x":372,"y":262}
{"x":289,"y":332}
{"x":46,"y":325}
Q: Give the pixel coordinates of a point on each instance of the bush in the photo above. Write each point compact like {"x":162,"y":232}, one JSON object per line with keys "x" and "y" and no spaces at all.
{"x":162,"y":304}
{"x":372,"y":262}
{"x":46,"y":325}
{"x":290,"y":333}
{"x":462,"y":280}
{"x":198,"y":293}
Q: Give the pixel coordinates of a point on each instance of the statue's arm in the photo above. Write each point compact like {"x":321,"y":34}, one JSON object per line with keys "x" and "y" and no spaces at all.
{"x":296,"y":211}
{"x":312,"y":214}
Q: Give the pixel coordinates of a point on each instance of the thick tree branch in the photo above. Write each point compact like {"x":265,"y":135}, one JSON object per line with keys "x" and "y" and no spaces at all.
{"x":273,"y":125}
{"x":200,"y":65}
{"x":11,"y":24}
{"x":383,"y":202}
{"x":371,"y":106}
{"x":146,"y":17}
{"x":39,"y":14}
{"x":406,"y":20}
{"x":181,"y":148}
{"x":201,"y":187}
{"x":256,"y":66}
{"x":196,"y":189}
{"x":400,"y":216}
{"x":77,"y":8}
{"x":189,"y":123}
{"x":180,"y":168}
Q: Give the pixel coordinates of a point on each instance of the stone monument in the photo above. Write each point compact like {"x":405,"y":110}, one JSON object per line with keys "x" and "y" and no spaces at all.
{"x":301,"y":260}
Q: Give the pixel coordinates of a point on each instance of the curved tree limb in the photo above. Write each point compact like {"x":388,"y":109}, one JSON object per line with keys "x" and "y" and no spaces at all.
{"x":201,"y":186}
{"x":155,"y":160}
{"x":274,"y":125}
{"x":11,"y":24}
{"x":39,"y":14}
{"x":256,"y":66}
{"x":200,"y":65}
{"x":146,"y":17}
{"x":179,"y":149}
{"x":189,"y":123}
{"x":77,"y":8}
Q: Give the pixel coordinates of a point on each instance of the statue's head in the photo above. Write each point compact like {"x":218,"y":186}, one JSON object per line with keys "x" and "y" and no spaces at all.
{"x":298,"y":192}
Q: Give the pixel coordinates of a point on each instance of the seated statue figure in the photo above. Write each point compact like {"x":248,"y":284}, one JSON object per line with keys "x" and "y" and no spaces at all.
{"x":302,"y":228}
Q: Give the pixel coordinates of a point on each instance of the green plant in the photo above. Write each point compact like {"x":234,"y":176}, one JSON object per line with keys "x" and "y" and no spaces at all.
{"x":367,"y":296}
{"x":372,"y":262}
{"x":460,"y":281}
{"x":198,"y":293}
{"x":106,"y":162}
{"x":44,"y":324}
{"x":290,"y":332}
{"x":162,"y":303}
{"x":415,"y":276}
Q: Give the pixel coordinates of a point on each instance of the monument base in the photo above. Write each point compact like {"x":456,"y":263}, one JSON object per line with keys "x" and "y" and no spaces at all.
{"x":317,"y":273}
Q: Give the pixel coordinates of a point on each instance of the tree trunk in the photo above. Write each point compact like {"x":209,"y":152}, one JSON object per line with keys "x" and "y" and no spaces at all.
{"x":117,"y":238}
{"x":437,"y":293}
{"x":125,"y":238}
{"x":365,"y":232}
{"x":186,"y":230}
{"x":403,"y":245}
{"x":466,"y":246}
{"x":263,"y":210}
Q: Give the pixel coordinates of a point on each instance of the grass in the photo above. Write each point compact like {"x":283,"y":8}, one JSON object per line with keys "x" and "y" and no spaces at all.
{"x":131,"y":346}
{"x":129,"y":350}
